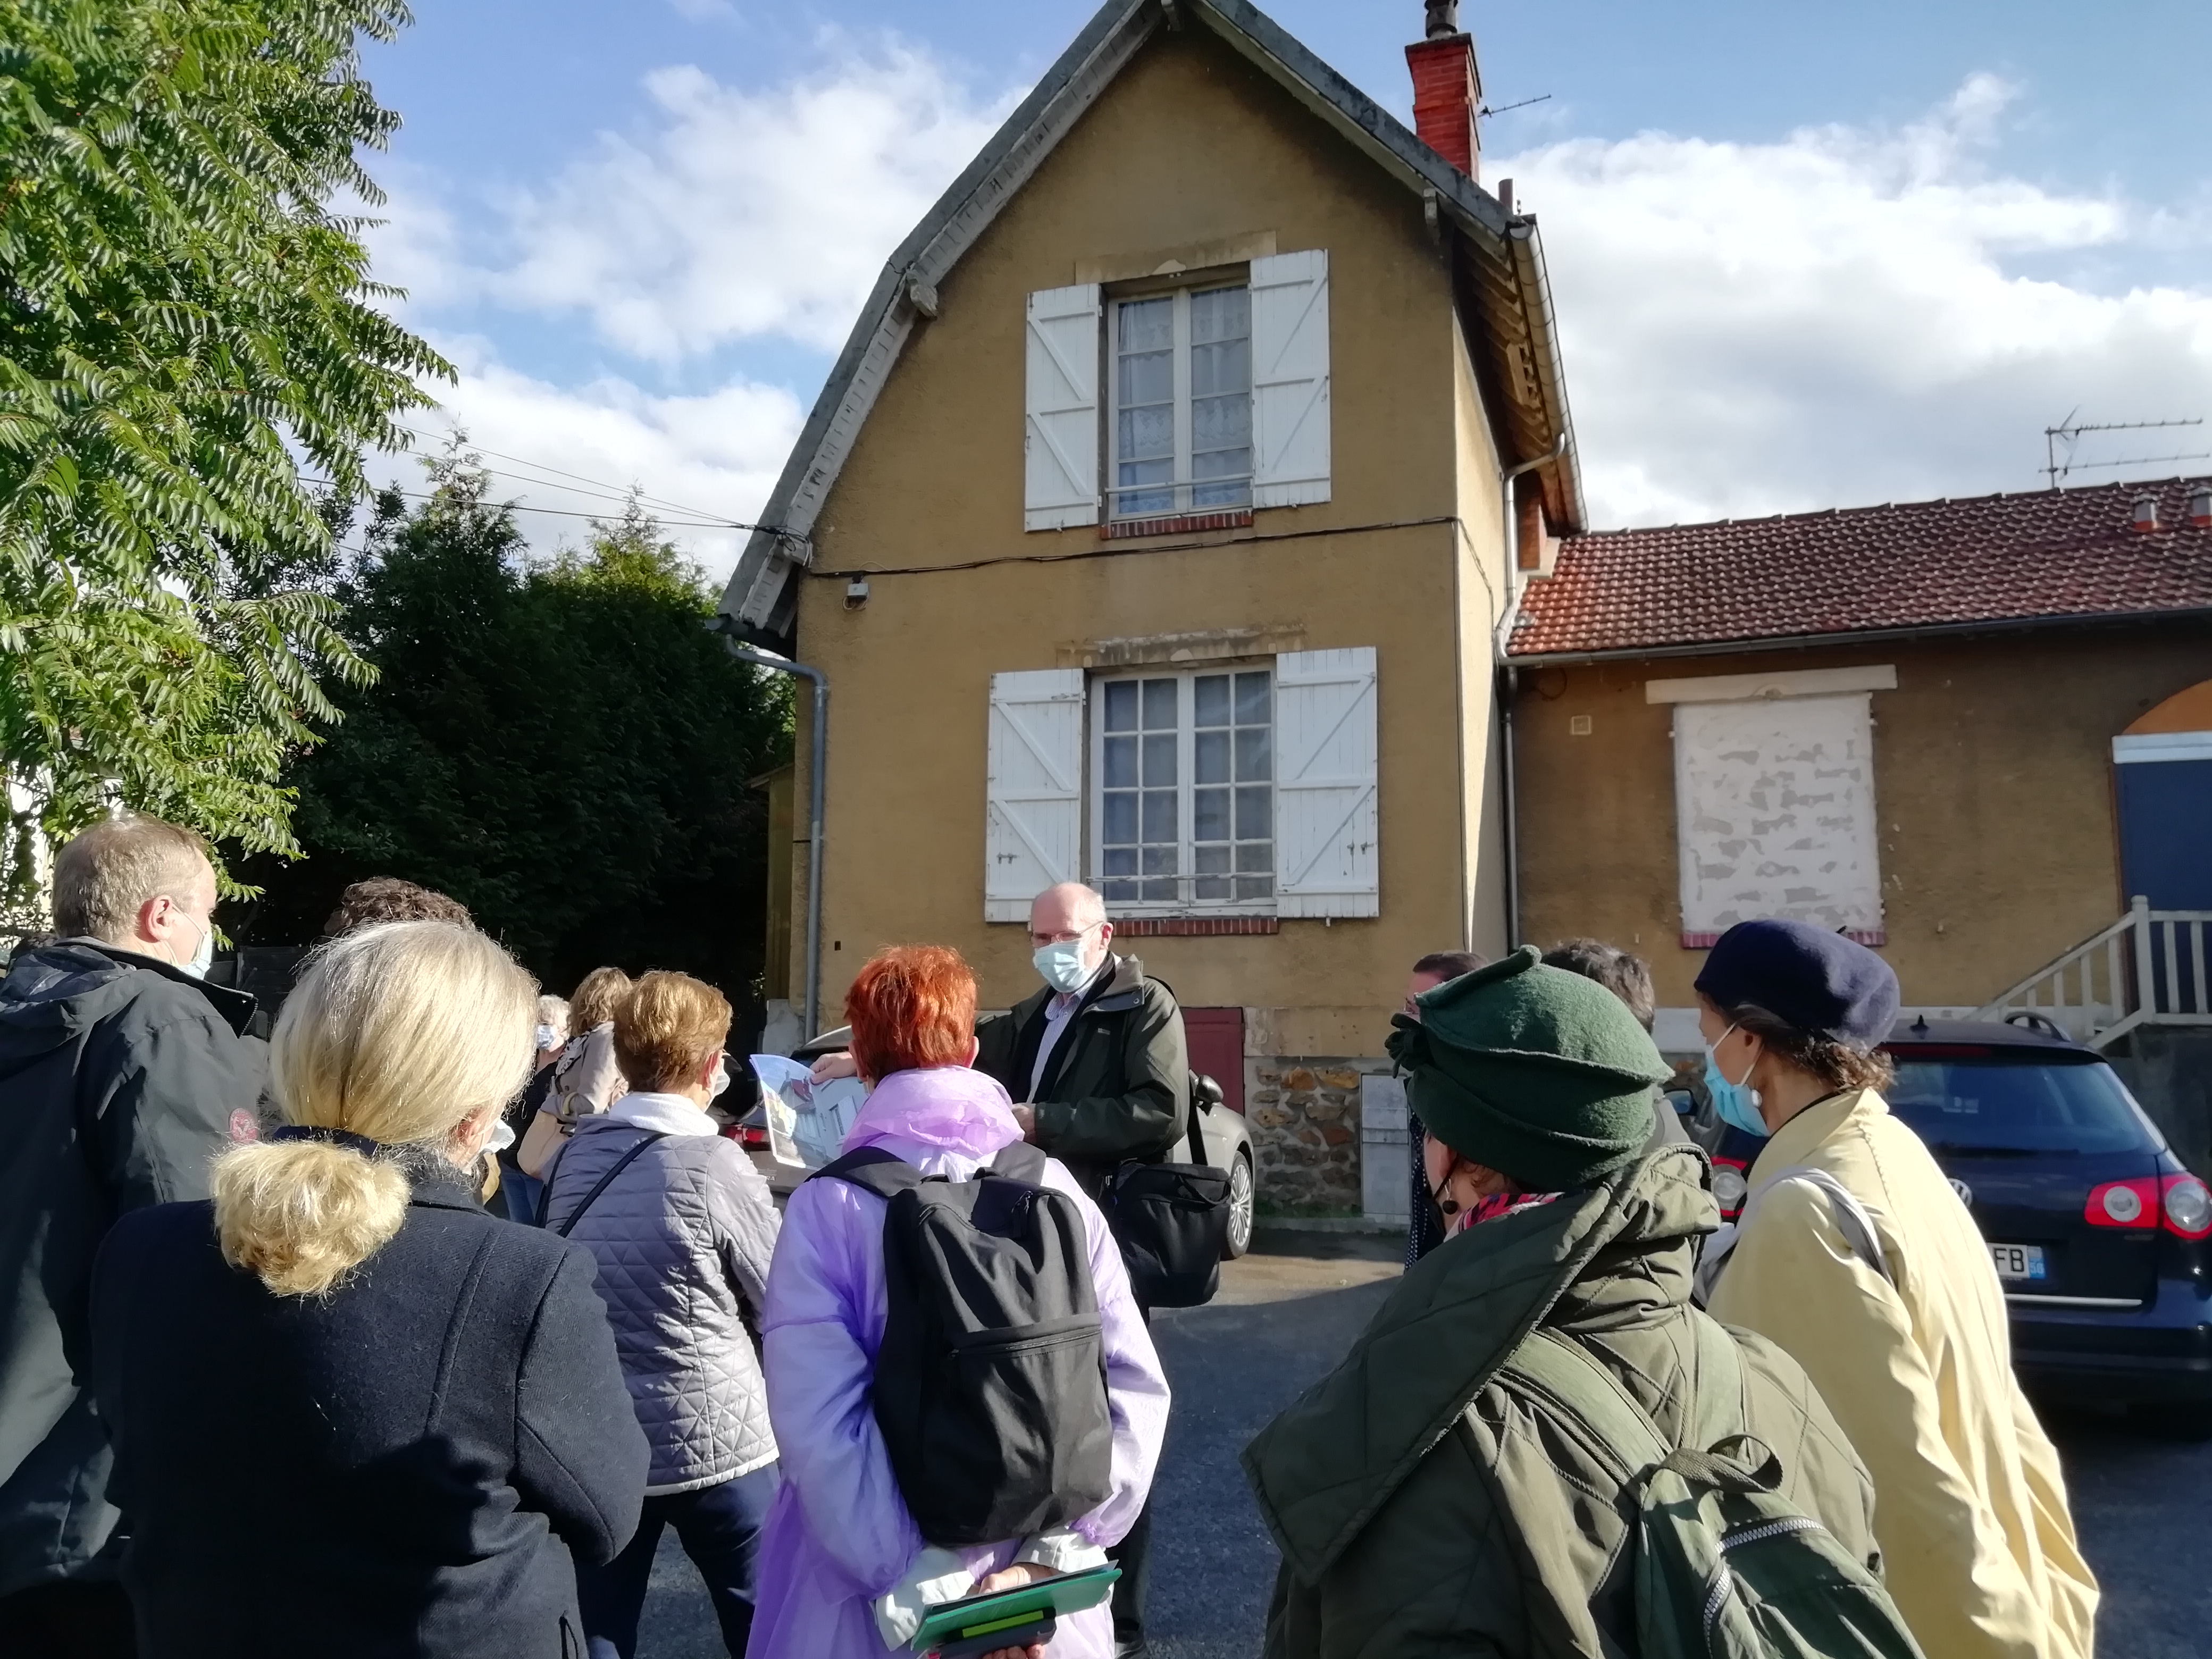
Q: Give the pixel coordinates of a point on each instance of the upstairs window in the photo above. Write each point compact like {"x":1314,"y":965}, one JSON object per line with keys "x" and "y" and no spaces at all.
{"x":1210,"y":398}
{"x":1182,"y":403}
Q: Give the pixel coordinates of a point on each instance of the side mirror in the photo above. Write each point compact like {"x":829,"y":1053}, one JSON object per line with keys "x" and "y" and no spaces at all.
{"x":1205,"y":1092}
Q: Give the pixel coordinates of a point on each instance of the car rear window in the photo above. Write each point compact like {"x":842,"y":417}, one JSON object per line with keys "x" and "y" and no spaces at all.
{"x":2002,"y":1105}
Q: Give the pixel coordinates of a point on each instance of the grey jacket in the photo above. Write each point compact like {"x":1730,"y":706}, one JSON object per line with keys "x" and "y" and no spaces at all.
{"x":682,"y":1238}
{"x":121,"y":1077}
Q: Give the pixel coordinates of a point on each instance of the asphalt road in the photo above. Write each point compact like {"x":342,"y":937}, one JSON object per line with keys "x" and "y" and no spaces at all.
{"x":1287,"y":1311}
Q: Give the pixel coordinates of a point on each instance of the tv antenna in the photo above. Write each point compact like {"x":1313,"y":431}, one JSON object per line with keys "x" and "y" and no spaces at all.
{"x":1504,"y":109}
{"x":2068,"y":434}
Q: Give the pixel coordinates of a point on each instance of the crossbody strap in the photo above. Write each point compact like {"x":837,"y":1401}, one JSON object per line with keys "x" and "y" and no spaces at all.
{"x":620,"y":1164}
{"x":1853,"y":1220}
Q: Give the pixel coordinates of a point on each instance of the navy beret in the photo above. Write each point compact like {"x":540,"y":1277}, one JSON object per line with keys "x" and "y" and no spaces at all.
{"x":1819,"y":982}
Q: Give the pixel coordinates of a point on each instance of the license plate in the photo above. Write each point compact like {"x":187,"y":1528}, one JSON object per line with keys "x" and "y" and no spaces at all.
{"x":2018,"y":1260}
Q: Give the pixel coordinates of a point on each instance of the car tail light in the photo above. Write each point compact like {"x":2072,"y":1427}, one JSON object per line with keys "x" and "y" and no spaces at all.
{"x":1729,"y":1186}
{"x":751,"y":1135}
{"x":2186,"y":1205}
{"x":2124,"y":1204}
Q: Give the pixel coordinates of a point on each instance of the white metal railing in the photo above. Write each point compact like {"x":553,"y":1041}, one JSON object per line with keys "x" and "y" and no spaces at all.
{"x":2147,"y":969}
{"x":1181,"y":497}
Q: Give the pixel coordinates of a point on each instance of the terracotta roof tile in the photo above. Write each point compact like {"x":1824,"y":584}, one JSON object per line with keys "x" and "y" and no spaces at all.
{"x":1917,"y":564}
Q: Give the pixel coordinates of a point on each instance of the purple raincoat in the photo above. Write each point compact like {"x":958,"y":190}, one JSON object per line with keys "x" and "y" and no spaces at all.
{"x":839,"y":1535}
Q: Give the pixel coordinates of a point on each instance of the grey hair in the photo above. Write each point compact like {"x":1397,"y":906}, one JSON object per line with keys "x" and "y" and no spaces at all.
{"x":104,"y":877}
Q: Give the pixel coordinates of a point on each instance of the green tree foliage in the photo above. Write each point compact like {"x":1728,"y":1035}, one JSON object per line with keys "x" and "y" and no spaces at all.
{"x":183,"y":320}
{"x":565,"y":748}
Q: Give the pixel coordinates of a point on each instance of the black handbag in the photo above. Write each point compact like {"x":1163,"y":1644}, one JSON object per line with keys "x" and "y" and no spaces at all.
{"x":1172,"y":1220}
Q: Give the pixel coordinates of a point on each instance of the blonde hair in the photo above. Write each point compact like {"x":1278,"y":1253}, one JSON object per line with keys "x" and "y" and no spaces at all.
{"x":667,"y":1028}
{"x":107,"y":873}
{"x":596,"y":998}
{"x":397,"y":1033}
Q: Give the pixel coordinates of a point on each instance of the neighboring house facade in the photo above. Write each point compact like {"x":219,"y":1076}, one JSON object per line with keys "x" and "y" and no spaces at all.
{"x":1967,"y":732}
{"x":1156,"y":528}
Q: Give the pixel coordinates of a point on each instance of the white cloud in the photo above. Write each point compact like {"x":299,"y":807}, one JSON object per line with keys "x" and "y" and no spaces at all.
{"x":710,"y":457}
{"x":736,"y":218}
{"x":1848,"y":315}
{"x":746,"y":214}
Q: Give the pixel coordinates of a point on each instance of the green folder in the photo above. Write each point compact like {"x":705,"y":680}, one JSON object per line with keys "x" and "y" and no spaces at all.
{"x":1010,"y":1612}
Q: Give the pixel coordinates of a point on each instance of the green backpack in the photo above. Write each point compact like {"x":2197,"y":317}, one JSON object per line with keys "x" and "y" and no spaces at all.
{"x":1725,"y":1567}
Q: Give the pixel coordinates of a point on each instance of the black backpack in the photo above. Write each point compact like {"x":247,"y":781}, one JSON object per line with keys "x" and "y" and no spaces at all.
{"x":990,"y":1387}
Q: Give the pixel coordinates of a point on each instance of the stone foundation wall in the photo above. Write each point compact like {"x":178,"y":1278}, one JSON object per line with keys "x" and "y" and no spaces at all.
{"x":1303,"y":1111}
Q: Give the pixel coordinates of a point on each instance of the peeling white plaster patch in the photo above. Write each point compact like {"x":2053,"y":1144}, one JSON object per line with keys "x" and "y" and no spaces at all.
{"x":1775,"y":798}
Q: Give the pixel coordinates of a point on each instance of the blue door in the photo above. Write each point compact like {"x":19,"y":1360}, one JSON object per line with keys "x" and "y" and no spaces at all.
{"x":2164,"y":785}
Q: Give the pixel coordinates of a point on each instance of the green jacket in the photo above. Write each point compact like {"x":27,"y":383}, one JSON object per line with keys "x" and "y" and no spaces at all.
{"x":1398,"y":1538}
{"x":1118,"y":1086}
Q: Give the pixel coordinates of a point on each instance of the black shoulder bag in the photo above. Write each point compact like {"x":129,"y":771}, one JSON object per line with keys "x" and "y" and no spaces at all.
{"x":1171,"y":1221}
{"x":545,"y":1197}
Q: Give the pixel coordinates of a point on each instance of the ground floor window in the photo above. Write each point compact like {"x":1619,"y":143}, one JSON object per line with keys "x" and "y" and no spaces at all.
{"x":1184,"y":765}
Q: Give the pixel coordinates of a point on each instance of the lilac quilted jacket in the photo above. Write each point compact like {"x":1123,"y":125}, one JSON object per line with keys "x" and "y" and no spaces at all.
{"x":682,"y":1239}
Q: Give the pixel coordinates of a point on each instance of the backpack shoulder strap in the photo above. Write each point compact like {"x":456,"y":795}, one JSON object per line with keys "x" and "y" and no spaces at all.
{"x":1020,"y":1162}
{"x":1717,"y":1408}
{"x":568,"y":1222}
{"x":1557,"y":1369}
{"x":872,"y":1169}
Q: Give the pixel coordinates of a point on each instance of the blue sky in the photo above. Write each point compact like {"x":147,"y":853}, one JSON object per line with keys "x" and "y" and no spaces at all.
{"x":1806,"y":255}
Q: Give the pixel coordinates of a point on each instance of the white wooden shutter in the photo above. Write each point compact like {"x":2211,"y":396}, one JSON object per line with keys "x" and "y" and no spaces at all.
{"x":1327,"y":856}
{"x":1034,"y":803}
{"x":1060,"y":475}
{"x":1290,"y":379}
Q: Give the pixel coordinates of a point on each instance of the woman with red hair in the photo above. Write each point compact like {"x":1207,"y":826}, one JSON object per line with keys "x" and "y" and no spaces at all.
{"x":844,"y":1571}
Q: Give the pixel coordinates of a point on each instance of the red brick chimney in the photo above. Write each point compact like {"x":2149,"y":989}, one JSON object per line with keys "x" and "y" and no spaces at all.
{"x":1447,"y":90}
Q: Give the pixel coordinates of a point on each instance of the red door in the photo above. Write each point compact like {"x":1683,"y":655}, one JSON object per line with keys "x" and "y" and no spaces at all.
{"x":1216,"y":1037}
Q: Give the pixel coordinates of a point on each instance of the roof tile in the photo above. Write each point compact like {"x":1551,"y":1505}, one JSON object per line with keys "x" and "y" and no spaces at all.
{"x":2048,"y":553}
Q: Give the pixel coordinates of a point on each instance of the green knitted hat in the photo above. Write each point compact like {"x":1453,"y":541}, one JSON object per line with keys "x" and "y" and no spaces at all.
{"x":1542,"y":1074}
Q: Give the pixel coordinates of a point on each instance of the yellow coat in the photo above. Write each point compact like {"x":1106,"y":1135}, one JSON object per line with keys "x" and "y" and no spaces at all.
{"x":1970,"y":1507}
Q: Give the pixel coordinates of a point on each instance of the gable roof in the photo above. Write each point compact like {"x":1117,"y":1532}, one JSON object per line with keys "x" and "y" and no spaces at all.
{"x":2043,"y":556}
{"x":1500,"y":260}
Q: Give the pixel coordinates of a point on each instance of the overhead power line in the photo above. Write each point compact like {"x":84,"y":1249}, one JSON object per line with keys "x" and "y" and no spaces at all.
{"x":570,"y":513}
{"x":616,"y":490}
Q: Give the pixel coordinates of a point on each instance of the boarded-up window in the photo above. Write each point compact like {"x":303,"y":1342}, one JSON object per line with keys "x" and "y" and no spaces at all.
{"x":1775,"y":815}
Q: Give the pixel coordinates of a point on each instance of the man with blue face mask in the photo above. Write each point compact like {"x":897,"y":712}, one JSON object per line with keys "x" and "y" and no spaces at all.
{"x":124,"y":1074}
{"x":1096,"y":1060}
{"x":1097,"y":1065}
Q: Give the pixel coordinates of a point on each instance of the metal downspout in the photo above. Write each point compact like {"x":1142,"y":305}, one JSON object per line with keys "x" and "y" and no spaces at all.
{"x":1511,"y":810}
{"x":1510,"y":806}
{"x":818,"y":770}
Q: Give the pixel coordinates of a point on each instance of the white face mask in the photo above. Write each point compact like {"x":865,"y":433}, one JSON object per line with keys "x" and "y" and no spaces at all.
{"x":547,"y":1038}
{"x":721,"y":1080}
{"x":202,"y":956}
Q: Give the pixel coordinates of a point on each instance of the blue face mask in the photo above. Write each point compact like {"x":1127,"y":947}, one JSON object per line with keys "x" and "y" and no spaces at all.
{"x":1060,"y":964}
{"x":1736,"y":1103}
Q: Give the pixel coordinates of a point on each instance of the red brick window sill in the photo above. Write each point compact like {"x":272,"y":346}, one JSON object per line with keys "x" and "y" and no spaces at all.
{"x":1181,"y":524}
{"x":1857,"y":935}
{"x":1191,"y":926}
